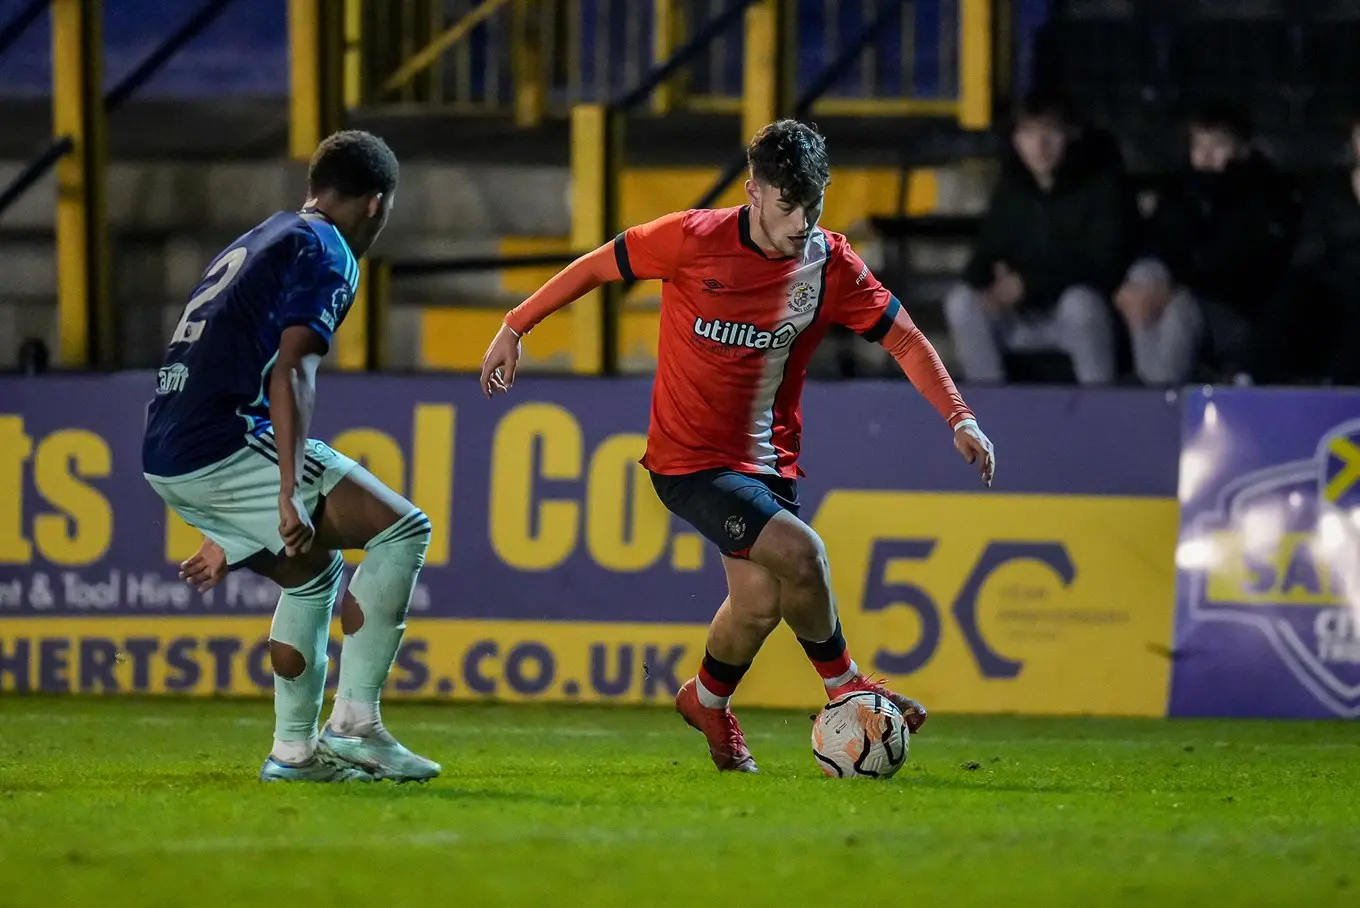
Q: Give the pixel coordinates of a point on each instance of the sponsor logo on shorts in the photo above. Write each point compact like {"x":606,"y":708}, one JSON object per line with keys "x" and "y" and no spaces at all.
{"x":171,"y":379}
{"x":743,"y":334}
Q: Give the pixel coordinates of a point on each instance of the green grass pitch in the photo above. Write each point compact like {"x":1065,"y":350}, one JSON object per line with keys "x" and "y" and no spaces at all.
{"x":147,"y":803}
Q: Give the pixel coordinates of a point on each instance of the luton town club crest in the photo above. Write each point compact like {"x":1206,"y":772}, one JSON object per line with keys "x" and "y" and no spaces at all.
{"x":1280,"y":551}
{"x":802,"y":297}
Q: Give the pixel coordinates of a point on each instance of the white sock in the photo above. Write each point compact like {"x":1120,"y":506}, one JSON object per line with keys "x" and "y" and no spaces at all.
{"x":302,"y":621}
{"x":294,"y":753}
{"x":710,"y":700}
{"x":382,"y":589}
{"x":842,"y":680}
{"x":354,"y":717}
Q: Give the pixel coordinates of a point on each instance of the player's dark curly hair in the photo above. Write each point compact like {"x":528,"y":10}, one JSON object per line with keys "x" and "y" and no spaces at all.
{"x":790,"y":156}
{"x":353,"y":163}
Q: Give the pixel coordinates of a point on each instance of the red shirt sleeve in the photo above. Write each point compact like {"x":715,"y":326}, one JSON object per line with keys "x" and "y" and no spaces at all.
{"x":866,"y":307}
{"x":860,"y":302}
{"x":645,"y":252}
{"x":652,"y":250}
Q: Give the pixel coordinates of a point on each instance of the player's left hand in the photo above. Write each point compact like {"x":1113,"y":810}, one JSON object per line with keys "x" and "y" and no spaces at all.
{"x":206,"y":568}
{"x":976,"y":448}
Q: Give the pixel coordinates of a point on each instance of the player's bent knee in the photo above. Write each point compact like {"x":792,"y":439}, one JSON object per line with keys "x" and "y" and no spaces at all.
{"x":393,"y":559}
{"x":286,"y":660}
{"x":410,"y":532}
{"x":795,"y":554}
{"x":808,"y":568}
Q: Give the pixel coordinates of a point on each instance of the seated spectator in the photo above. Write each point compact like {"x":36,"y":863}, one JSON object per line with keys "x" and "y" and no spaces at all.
{"x":1052,"y":248}
{"x":1216,"y":246}
{"x":1311,"y":330}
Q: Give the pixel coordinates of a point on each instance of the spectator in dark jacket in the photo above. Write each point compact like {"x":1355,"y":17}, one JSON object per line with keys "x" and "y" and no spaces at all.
{"x":1216,"y":247}
{"x":1311,"y":331}
{"x":1052,"y":248}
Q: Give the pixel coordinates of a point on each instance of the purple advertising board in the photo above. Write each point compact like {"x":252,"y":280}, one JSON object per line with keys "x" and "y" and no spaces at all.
{"x":554,"y":572}
{"x":1268,"y":585}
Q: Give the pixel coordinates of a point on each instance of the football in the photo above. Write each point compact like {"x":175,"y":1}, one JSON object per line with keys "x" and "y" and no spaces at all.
{"x":861,"y":735}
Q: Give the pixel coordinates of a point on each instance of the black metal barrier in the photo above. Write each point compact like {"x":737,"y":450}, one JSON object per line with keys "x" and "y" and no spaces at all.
{"x":887,"y":14}
{"x":61,"y":146}
{"x":14,"y":29}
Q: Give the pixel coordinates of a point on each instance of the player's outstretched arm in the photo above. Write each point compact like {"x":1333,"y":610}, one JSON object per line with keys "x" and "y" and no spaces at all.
{"x":643,"y":252}
{"x":864,"y":305}
{"x":917,"y":356}
{"x":566,"y":287}
{"x":292,"y":394}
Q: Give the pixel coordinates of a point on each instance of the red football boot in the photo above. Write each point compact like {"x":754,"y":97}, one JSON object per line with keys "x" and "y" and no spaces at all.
{"x":726,"y":744}
{"x":913,"y":712}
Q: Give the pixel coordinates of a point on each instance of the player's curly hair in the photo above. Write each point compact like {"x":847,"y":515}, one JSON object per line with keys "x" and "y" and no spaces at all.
{"x":353,"y":163}
{"x":790,"y":156}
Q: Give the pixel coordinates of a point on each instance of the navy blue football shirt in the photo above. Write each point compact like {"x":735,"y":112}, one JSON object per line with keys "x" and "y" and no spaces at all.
{"x":212,"y":389}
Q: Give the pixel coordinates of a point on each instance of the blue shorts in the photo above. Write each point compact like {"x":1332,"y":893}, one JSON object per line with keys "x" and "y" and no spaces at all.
{"x":729,"y":508}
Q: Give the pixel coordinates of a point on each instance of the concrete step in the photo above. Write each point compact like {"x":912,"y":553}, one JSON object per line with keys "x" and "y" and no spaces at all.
{"x":467,"y":202}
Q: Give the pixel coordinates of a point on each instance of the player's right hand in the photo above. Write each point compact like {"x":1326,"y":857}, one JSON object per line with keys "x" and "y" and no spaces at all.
{"x":206,"y":568}
{"x":295,"y":525}
{"x":500,"y":362}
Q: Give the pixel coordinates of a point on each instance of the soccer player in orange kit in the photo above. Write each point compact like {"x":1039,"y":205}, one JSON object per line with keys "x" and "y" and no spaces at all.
{"x":748,"y":294}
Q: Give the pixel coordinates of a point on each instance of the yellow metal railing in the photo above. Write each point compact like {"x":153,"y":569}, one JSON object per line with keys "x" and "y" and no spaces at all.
{"x":535,"y":58}
{"x":87,"y":321}
{"x":450,"y":37}
{"x":530,"y":58}
{"x":84,"y":320}
{"x":975,"y":64}
{"x":767,"y":65}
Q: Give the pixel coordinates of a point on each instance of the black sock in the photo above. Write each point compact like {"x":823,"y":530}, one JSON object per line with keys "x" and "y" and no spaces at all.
{"x":830,"y":657}
{"x":720,"y":678}
{"x":828,"y":650}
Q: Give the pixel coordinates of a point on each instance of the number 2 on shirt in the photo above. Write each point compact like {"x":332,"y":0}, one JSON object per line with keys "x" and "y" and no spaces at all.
{"x":225,"y":271}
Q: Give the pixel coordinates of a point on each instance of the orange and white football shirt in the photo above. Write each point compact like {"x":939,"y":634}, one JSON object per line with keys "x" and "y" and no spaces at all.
{"x":738,"y":328}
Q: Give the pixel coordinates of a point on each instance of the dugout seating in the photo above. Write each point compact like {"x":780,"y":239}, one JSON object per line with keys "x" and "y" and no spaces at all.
{"x":1135,"y":67}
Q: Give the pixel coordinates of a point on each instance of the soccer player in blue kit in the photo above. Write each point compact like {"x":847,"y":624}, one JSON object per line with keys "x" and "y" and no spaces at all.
{"x":226,"y":447}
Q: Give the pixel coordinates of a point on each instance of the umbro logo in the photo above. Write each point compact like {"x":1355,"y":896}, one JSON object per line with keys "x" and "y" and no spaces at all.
{"x":712,"y":286}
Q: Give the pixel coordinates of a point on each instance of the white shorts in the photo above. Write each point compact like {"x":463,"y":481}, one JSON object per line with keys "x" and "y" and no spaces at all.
{"x":235,"y":502}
